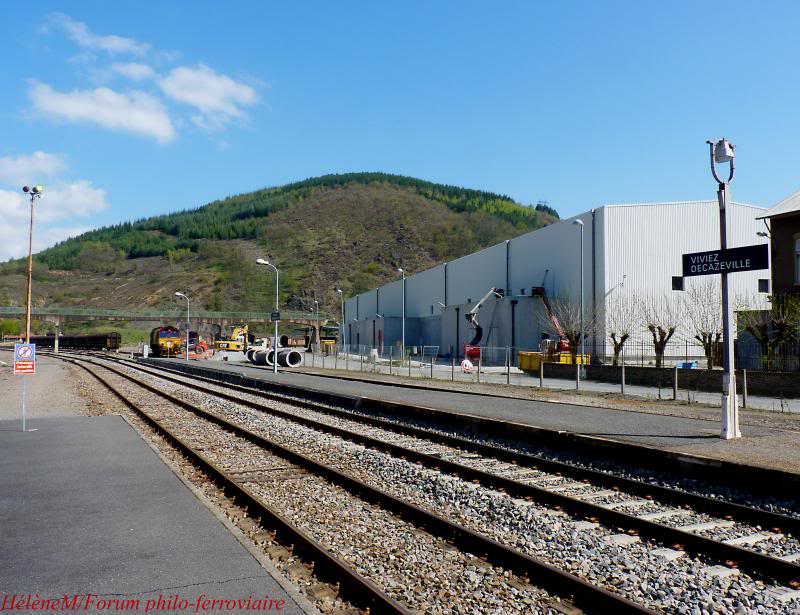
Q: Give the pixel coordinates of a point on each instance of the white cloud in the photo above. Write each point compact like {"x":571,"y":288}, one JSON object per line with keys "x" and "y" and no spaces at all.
{"x":80,"y":34}
{"x":55,"y":213}
{"x":218,"y":97}
{"x":30,"y":169}
{"x":134,"y":71}
{"x":135,"y":112}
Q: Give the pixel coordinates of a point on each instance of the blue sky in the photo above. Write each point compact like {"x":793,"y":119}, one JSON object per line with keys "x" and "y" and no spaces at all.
{"x":128,"y":109}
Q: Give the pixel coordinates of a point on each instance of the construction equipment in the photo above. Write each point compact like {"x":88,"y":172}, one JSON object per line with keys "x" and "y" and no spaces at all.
{"x":548,"y":346}
{"x":472,"y":350}
{"x":238,"y":340}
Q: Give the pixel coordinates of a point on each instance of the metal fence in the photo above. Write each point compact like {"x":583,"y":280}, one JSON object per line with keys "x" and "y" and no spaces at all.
{"x":683,"y":354}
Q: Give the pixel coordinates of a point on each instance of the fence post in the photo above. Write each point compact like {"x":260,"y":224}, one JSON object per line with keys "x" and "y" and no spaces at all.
{"x":391,"y":358}
{"x":452,"y":367}
{"x":686,"y":351}
{"x":744,"y":388}
{"x":541,"y":373}
{"x":361,"y":356}
{"x":675,"y":382}
{"x":346,"y":358}
{"x":480,"y":362}
{"x":313,"y":357}
{"x":622,"y":372}
{"x":336,"y":359}
{"x":323,"y":359}
{"x":431,"y":367}
{"x":409,"y":364}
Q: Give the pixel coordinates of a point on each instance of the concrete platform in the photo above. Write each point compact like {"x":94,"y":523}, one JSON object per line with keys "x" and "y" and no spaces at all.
{"x":89,"y":508}
{"x":763,"y":446}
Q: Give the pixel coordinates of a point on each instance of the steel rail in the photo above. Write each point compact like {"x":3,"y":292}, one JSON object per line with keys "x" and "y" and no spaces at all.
{"x":758,"y":563}
{"x":712,"y":506}
{"x":326,"y":565}
{"x":544,"y":575}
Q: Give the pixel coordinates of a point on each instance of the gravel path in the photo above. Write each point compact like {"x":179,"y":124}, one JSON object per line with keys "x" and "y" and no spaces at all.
{"x":598,"y":554}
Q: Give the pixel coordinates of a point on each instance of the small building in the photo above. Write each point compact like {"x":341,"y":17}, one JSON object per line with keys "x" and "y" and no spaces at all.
{"x":630,"y":252}
{"x":784,"y":231}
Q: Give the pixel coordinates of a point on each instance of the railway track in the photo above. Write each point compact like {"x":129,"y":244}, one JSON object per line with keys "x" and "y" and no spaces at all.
{"x":512,"y":581}
{"x":591,"y":505}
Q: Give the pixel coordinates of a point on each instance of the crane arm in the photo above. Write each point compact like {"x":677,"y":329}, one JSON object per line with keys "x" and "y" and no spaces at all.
{"x":539,"y":291}
{"x":472,"y":317}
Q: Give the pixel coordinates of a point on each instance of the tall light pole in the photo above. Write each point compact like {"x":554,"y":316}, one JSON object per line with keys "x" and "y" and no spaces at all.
{"x":403,"y":338}
{"x":721,"y":152}
{"x":316,"y":321}
{"x":35,"y":193}
{"x":583,"y":333}
{"x":341,"y":335}
{"x":177,"y":294}
{"x":261,"y":261}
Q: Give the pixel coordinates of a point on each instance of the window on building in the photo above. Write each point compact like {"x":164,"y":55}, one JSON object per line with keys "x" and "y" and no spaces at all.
{"x":797,"y":261}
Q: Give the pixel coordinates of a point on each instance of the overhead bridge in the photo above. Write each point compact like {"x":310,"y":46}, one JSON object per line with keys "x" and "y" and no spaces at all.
{"x":60,"y":315}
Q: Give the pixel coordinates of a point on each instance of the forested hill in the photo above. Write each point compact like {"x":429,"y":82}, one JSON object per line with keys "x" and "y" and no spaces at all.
{"x":351,"y":230}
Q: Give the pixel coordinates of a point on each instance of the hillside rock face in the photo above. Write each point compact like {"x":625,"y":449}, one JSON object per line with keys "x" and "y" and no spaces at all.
{"x":351,"y":232}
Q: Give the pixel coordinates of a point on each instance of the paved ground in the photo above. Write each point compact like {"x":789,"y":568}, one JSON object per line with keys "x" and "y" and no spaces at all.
{"x":50,"y":391}
{"x":89,"y":508}
{"x":497,"y":375}
{"x":762,"y":445}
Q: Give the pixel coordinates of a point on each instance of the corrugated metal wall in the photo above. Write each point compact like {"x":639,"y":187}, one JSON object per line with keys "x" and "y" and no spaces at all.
{"x":642,"y":242}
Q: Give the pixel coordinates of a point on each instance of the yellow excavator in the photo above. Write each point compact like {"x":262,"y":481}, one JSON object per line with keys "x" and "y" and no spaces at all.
{"x":237,"y":341}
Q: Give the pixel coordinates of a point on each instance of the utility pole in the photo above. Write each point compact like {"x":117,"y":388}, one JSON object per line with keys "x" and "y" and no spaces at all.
{"x":35,"y":193}
{"x":721,"y":152}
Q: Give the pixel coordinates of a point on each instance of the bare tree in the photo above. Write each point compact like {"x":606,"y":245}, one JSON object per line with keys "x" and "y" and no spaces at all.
{"x":567,"y":313}
{"x":661,"y":316}
{"x":622,"y":316}
{"x":702,"y":308}
{"x":774,"y":327}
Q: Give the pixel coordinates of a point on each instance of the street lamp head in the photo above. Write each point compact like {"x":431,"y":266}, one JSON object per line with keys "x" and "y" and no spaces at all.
{"x":762,"y":234}
{"x":339,"y":290}
{"x":723,"y":151}
{"x":261,"y":261}
{"x":442,"y":304}
{"x":400,"y":270}
{"x":578,"y":222}
{"x":25,"y":189}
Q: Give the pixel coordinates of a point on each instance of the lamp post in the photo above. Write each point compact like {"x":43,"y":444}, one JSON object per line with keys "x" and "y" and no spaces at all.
{"x":403,"y":335}
{"x":35,"y":193}
{"x":719,"y":153}
{"x":316,"y":321}
{"x":341,"y":335}
{"x":261,"y":261}
{"x":579,"y":223}
{"x":177,"y":294}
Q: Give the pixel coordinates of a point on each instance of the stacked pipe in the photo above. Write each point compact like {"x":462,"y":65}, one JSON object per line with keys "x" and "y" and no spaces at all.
{"x":287,"y":357}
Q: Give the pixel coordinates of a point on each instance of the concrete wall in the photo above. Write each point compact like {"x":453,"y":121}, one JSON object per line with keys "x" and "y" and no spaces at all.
{"x":424,"y":291}
{"x":773,"y":384}
{"x":471,"y":276}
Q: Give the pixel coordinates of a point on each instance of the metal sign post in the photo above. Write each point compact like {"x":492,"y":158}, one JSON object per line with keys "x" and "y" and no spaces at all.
{"x":24,"y":364}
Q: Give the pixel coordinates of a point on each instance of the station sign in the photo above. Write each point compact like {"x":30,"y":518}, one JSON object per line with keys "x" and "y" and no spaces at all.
{"x":24,"y":358}
{"x":275,"y":316}
{"x":732,"y":260}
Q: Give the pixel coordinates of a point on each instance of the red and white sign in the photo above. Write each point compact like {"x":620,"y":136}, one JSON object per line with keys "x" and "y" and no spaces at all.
{"x":24,"y":358}
{"x":466,"y":366}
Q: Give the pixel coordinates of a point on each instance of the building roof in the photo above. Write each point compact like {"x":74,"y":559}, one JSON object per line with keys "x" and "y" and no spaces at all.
{"x":663,"y":203}
{"x":788,"y":205}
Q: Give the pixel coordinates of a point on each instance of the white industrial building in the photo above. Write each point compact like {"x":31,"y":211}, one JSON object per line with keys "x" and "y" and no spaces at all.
{"x":629,"y":250}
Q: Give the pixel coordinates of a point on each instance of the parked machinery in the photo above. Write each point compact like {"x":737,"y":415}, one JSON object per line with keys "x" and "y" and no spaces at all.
{"x":550,"y":347}
{"x":472,"y":350}
{"x":239,"y":340}
{"x":165,"y":341}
